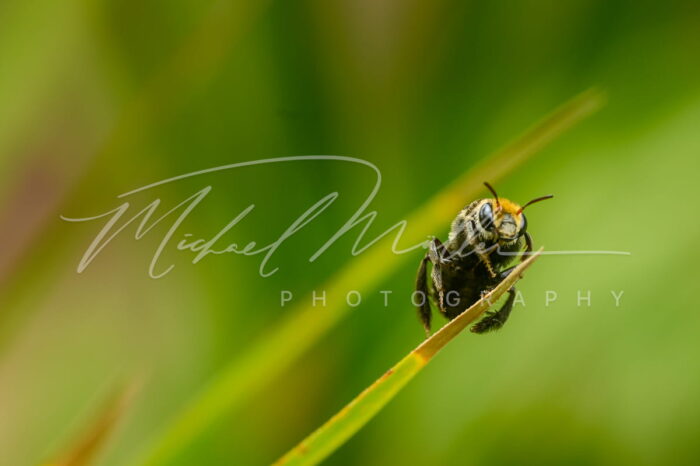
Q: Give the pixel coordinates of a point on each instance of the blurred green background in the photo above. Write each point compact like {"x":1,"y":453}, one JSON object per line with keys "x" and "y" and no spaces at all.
{"x":100,"y":97}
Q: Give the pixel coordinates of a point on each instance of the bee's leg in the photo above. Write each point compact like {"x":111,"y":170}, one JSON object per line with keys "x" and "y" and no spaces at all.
{"x":484,"y":257}
{"x":438,"y":252}
{"x":528,"y":247}
{"x":498,"y":279}
{"x":424,"y":311}
{"x":495,"y":319}
{"x":438,"y":255}
{"x":502,"y":276}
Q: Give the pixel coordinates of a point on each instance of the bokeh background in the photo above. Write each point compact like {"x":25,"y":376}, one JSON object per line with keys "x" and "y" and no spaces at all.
{"x":100,"y":97}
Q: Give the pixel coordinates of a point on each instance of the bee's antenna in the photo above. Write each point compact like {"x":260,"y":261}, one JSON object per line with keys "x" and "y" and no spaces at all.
{"x":537,"y":199}
{"x":495,"y":196}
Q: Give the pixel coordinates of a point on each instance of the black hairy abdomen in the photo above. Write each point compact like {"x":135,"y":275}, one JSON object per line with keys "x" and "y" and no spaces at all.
{"x":467,"y":278}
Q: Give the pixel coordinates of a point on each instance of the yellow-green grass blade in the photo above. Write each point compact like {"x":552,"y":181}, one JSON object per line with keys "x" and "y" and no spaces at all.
{"x":84,"y":448}
{"x":291,"y":337}
{"x":338,"y":429}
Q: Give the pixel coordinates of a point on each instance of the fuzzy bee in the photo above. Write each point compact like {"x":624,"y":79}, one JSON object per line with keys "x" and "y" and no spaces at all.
{"x":483,"y":240}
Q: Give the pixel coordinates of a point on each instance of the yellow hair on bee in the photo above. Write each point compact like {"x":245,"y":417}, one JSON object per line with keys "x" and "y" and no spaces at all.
{"x":508,"y":207}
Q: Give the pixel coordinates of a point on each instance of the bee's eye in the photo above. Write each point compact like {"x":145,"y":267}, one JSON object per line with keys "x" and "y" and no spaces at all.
{"x":523,"y":228}
{"x":486,"y":216}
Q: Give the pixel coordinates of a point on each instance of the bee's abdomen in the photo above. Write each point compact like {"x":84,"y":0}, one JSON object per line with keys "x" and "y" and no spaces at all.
{"x":461,"y":291}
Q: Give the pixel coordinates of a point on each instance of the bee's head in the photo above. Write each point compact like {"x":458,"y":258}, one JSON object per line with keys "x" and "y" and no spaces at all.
{"x":502,"y":220}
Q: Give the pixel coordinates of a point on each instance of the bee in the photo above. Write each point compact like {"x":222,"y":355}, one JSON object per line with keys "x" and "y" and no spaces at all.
{"x":484,"y":238}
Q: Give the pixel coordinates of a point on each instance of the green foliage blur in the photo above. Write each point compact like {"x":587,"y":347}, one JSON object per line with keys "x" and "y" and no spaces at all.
{"x":100,"y":97}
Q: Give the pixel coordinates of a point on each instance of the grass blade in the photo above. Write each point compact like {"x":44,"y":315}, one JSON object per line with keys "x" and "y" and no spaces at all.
{"x":338,"y":429}
{"x":288,"y":340}
{"x":84,"y":449}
